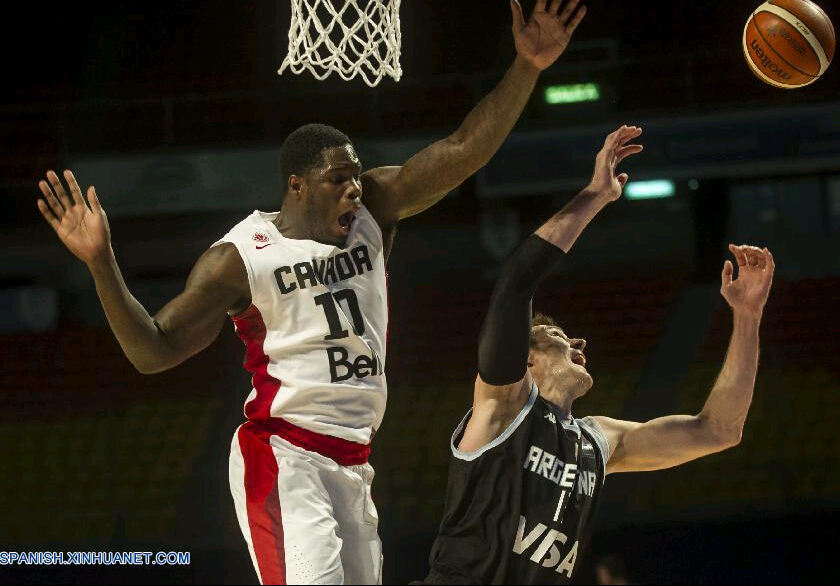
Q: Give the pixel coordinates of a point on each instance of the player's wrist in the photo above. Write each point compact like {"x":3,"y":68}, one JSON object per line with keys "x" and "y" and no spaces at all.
{"x":524,"y":66}
{"x":101,"y":261}
{"x":599,"y":194}
{"x":746,"y":318}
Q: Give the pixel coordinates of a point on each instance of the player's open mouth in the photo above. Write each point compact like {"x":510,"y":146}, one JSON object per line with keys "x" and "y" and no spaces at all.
{"x":345,"y":220}
{"x":579,"y":358}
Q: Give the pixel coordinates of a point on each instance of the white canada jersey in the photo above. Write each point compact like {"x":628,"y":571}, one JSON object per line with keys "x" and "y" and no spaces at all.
{"x":316,"y":331}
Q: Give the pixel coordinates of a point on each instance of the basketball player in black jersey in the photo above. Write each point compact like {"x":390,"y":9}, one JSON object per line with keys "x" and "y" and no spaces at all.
{"x":525,"y":474}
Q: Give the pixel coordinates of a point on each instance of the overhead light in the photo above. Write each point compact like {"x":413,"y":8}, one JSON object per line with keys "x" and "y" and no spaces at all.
{"x":652,"y":189}
{"x":572,"y":94}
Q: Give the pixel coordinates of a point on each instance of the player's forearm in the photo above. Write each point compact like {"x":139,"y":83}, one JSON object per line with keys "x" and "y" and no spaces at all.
{"x":491,"y":120}
{"x":726,"y":408}
{"x":504,"y":339}
{"x":564,"y":227}
{"x":442,"y":166}
{"x":448,"y":163}
{"x":134,"y":328}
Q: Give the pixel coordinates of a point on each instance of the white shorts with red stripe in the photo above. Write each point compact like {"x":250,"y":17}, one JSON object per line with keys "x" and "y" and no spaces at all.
{"x":306,"y":518}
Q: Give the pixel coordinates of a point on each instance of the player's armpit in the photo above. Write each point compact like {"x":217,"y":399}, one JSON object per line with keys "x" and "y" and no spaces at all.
{"x":378,"y":196}
{"x":516,"y":393}
{"x":394,"y":193}
{"x":494,"y":408}
{"x":663,"y":442}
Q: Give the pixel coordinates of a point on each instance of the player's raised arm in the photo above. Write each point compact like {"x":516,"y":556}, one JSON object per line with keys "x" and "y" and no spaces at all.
{"x":505,"y":334}
{"x":186,"y":325}
{"x":393,"y":193}
{"x":668,"y":441}
{"x":503,"y":381}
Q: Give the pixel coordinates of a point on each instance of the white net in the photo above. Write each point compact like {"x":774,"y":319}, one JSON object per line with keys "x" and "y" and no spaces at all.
{"x":349,"y":37}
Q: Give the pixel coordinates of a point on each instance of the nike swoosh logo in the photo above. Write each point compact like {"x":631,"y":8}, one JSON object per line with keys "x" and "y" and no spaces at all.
{"x":264,"y":245}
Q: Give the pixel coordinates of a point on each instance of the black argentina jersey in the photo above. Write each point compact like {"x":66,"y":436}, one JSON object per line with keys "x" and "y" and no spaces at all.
{"x":520,"y":509}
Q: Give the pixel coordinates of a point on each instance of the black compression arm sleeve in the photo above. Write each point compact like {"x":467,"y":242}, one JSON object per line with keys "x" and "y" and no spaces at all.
{"x":505,"y":335}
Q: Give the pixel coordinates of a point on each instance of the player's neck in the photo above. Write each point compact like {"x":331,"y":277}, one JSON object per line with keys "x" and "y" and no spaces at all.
{"x":291,"y":225}
{"x":558,"y":394}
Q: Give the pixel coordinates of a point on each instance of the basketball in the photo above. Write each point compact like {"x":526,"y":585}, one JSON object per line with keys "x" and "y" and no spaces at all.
{"x":788,"y":43}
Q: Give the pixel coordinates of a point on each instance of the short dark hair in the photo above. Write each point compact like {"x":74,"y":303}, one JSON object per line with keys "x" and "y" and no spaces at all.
{"x":541,"y":319}
{"x":613,"y":563}
{"x":303,"y":149}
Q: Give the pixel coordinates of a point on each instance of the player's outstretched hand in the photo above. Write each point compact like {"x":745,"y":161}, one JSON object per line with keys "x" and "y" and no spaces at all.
{"x":748,"y":293}
{"x":605,"y":182}
{"x":546,"y":34}
{"x":81,"y":226}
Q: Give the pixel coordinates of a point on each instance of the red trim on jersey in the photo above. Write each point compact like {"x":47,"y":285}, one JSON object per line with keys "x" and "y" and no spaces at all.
{"x":262,"y":502}
{"x":339,"y":450}
{"x":250,"y":328}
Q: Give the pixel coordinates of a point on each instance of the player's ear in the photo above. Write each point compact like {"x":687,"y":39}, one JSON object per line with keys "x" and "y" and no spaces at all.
{"x":295,"y":184}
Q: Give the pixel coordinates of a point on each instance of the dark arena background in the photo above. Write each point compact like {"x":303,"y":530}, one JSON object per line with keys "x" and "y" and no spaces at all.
{"x":175,"y":112}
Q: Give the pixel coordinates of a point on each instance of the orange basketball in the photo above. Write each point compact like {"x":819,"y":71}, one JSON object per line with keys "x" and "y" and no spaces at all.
{"x":788,"y":43}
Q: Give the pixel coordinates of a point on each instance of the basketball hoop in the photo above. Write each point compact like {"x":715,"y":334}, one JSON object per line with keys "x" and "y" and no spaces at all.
{"x":349,"y":37}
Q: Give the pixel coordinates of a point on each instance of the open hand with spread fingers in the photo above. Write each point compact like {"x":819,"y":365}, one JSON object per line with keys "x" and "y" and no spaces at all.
{"x":546,"y":34}
{"x":748,"y":293}
{"x":605,"y":182}
{"x":82,"y":226}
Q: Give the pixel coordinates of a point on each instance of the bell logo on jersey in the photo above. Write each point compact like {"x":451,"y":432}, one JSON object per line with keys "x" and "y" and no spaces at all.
{"x":342,"y":369}
{"x":545,"y":551}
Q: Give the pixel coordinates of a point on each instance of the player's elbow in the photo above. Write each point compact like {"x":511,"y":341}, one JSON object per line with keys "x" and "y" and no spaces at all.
{"x":722,"y":435}
{"x":163,"y":352}
{"x":467,"y":153}
{"x":727,"y":436}
{"x":457,"y":143}
{"x":150,"y":364}
{"x":730,"y":439}
{"x":146,"y":367}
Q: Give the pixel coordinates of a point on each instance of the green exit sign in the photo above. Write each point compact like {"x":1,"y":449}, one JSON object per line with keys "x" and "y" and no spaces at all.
{"x":653,"y":189}
{"x":572,"y":94}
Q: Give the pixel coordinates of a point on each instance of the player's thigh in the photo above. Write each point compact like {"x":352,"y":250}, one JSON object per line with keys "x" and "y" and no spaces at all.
{"x":285,"y":512}
{"x":358,"y":521}
{"x":311,"y":534}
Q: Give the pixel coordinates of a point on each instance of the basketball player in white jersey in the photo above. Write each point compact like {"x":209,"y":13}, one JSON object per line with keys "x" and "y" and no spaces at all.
{"x":305,"y":288}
